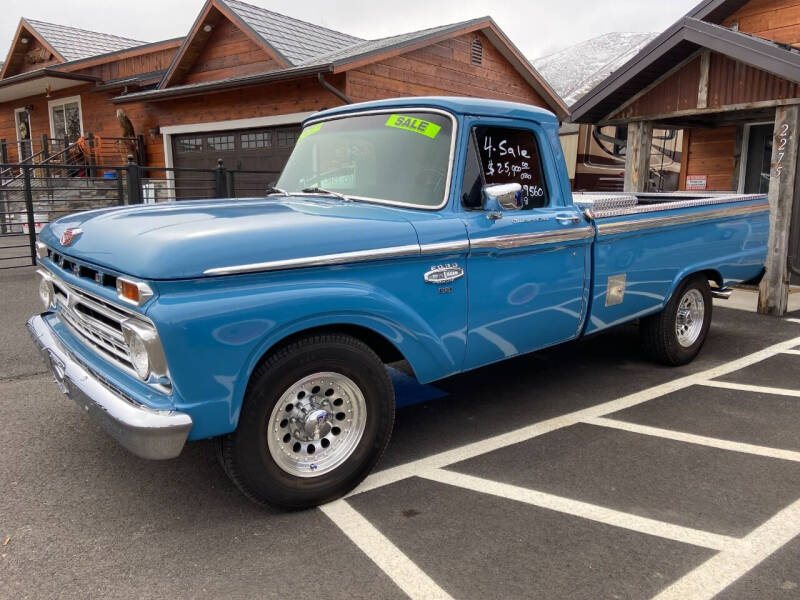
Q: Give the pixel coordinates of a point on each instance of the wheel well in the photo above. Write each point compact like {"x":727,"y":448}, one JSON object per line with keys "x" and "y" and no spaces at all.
{"x":385,"y":350}
{"x":714,"y":276}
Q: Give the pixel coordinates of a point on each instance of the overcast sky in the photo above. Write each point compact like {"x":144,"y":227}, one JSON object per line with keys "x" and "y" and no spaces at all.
{"x":537,"y":27}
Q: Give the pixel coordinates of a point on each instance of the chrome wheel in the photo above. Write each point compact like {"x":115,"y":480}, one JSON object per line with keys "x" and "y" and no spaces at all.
{"x":690,"y":317}
{"x":317,"y":424}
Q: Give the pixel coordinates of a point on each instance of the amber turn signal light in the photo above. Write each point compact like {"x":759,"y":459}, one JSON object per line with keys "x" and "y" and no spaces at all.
{"x":134,"y":292}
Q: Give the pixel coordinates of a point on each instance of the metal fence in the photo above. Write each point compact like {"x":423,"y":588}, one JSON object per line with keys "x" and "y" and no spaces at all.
{"x":31,"y":195}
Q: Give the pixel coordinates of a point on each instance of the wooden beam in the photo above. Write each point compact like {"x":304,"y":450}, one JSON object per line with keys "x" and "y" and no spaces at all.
{"x":637,"y":156}
{"x":773,"y":296}
{"x":702,"y":87}
{"x":691,"y":112}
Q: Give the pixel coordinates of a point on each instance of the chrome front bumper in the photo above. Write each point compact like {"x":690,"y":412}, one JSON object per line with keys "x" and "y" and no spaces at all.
{"x":148,"y":433}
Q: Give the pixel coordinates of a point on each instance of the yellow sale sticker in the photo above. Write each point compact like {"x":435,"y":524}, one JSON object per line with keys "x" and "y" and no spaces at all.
{"x":420,"y":126}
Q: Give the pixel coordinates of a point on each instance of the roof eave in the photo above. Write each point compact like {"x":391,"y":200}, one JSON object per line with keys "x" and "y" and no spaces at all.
{"x":758,"y":53}
{"x":47,"y":72}
{"x":221,"y":86}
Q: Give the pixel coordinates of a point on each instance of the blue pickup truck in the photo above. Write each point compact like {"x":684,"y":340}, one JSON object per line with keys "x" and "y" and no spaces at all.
{"x":438,"y":231}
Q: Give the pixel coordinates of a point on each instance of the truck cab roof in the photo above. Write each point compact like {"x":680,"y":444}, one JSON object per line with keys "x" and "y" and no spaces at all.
{"x":453,"y":104}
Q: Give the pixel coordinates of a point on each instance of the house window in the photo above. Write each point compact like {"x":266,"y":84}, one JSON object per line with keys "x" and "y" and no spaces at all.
{"x":476,"y":52}
{"x":190,"y":145}
{"x":261,"y":139}
{"x":287,"y":138}
{"x":221,"y":142}
{"x":65,"y":118}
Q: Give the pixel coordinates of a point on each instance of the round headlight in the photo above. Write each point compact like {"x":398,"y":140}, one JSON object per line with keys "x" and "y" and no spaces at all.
{"x":46,"y":292}
{"x":139,"y":357}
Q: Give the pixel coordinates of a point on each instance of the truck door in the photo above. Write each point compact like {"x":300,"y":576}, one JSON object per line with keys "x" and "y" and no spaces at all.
{"x":527,"y":269}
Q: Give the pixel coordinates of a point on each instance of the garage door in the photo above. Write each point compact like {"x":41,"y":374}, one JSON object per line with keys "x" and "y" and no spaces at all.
{"x":254,"y":158}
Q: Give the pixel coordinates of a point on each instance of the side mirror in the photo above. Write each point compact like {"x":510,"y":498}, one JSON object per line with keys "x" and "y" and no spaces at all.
{"x":502,"y":196}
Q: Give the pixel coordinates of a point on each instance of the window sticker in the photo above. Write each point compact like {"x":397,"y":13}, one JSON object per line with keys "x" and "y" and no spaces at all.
{"x":309,"y":130}
{"x":425,"y":128}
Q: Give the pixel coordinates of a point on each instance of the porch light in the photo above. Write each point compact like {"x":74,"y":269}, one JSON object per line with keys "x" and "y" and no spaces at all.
{"x":207,"y":28}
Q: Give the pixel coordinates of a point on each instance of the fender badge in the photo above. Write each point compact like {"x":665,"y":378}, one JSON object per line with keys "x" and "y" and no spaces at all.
{"x":440,"y":274}
{"x":69,"y":235}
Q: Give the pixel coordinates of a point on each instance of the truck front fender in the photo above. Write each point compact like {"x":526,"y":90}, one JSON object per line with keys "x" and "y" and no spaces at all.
{"x":214,"y":342}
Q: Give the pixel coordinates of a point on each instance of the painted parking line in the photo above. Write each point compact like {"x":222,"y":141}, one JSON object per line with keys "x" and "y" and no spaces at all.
{"x":400,"y":569}
{"x":791,"y":352}
{"x":746,"y":387}
{"x":417,"y":584}
{"x":584,"y":510}
{"x":696,"y":439}
{"x":448,"y":457}
{"x":793,"y":320}
{"x":722,"y":569}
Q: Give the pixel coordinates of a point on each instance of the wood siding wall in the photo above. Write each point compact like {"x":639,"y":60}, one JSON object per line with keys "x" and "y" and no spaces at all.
{"x":711,"y":153}
{"x":229,"y":53}
{"x":439,"y":69}
{"x":732,"y":82}
{"x":777,"y":20}
{"x":99,"y":113}
{"x":442,"y":69}
{"x":676,"y":92}
{"x":32,"y":51}
{"x":133,"y":65}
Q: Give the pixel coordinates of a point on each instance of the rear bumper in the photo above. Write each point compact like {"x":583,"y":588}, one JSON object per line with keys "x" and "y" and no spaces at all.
{"x":148,"y":433}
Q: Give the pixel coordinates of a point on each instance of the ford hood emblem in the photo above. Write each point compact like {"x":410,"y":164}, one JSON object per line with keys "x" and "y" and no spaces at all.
{"x":69,"y":235}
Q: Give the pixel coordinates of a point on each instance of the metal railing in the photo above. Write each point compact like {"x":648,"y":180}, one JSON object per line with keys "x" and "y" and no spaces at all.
{"x":42,"y":192}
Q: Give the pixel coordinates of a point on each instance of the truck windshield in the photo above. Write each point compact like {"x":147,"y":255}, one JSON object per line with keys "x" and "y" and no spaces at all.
{"x":400,"y":158}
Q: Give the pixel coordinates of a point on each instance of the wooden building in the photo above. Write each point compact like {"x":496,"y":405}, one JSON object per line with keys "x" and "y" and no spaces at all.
{"x":728,"y":74}
{"x":238,"y":85}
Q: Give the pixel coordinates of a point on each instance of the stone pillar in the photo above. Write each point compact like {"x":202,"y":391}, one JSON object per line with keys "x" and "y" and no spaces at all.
{"x":637,"y":156}
{"x":774,"y":291}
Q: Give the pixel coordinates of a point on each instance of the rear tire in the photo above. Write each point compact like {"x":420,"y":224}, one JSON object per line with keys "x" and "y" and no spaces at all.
{"x":675,"y":335}
{"x":317,"y":415}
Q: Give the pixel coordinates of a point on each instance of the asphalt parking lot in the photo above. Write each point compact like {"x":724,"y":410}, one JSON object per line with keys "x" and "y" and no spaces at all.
{"x":579,"y":472}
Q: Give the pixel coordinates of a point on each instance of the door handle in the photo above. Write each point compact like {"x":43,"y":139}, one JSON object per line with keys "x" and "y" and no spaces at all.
{"x":568,"y":219}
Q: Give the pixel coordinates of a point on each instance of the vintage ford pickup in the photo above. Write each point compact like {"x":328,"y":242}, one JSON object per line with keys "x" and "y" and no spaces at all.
{"x":439,"y":231}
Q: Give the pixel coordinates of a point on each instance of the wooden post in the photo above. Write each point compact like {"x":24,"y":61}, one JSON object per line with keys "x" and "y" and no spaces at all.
{"x":773,"y":296}
{"x":637,"y":156}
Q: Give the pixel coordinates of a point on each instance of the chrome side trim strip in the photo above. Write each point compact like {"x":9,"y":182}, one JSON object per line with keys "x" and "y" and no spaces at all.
{"x":318,"y":261}
{"x":444,"y":247}
{"x":604,"y":229}
{"x":503,"y":242}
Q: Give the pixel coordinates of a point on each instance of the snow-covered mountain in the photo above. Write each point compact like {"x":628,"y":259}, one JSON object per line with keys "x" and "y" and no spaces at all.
{"x":575,"y":70}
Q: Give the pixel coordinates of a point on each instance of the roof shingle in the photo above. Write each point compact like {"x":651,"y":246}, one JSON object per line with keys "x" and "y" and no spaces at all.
{"x":76,"y":44}
{"x":295,"y":40}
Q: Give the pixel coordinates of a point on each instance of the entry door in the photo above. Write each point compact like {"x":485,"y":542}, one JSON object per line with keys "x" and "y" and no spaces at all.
{"x":758,"y":165}
{"x":527,"y":269}
{"x":23,"y":122}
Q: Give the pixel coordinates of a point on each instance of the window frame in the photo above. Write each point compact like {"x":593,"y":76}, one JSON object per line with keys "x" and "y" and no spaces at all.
{"x":63,"y":102}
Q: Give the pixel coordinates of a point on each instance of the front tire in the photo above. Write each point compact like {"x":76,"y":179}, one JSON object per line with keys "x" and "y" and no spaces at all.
{"x":675,"y":335}
{"x":317,"y":415}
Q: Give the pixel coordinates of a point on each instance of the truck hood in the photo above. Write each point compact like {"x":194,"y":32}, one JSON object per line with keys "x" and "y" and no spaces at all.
{"x":186,"y":239}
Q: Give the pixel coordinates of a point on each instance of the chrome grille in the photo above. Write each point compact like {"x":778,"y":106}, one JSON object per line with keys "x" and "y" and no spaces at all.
{"x":95,"y":321}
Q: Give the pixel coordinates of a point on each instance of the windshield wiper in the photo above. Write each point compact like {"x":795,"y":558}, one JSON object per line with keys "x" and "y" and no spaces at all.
{"x":275,"y":190}
{"x":319,"y":190}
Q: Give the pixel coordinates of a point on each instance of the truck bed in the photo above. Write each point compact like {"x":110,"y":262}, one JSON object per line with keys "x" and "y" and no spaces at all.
{"x":646,"y":243}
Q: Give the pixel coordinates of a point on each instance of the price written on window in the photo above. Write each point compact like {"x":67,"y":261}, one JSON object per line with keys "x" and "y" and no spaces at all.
{"x":783,"y":141}
{"x":510,"y":156}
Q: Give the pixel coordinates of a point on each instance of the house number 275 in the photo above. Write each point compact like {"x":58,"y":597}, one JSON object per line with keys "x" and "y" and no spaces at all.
{"x":783,"y":139}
